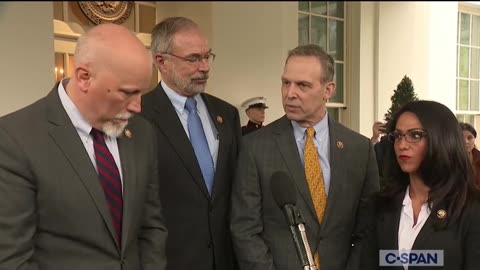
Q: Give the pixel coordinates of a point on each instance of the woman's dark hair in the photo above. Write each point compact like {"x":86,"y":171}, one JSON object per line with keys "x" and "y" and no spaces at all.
{"x":468,"y":127}
{"x":445,"y":168}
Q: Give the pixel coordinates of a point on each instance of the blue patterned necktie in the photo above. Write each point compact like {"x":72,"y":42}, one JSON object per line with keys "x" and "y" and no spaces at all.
{"x":199,"y":143}
{"x":109,"y":177}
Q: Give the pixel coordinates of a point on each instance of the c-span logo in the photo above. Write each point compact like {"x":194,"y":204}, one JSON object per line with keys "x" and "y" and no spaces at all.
{"x":411,"y":257}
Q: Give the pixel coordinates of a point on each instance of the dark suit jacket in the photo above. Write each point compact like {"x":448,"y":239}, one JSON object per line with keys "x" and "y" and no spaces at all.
{"x":476,"y":165}
{"x":54,"y":213}
{"x":459,"y":240}
{"x":261,"y":236}
{"x":198,"y":224}
{"x":381,"y":152}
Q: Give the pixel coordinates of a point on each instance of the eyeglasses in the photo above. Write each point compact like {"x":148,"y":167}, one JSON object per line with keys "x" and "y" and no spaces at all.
{"x":412,"y":136}
{"x":195,"y":59}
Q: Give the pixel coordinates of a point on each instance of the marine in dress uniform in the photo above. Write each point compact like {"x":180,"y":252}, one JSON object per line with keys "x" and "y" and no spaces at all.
{"x":255,"y":110}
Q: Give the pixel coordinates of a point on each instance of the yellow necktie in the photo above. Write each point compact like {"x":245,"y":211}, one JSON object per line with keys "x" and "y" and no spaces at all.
{"x":313,"y":172}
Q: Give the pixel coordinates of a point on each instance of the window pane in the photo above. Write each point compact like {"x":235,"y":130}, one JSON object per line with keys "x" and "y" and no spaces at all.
{"x":319,"y":7}
{"x":464,"y":55}
{"x":319,"y":31}
{"x":303,"y":29}
{"x":475,"y":30}
{"x":474,"y":96}
{"x":146,"y":18}
{"x":59,"y":69}
{"x":339,"y":94}
{"x":334,"y":113}
{"x":475,"y":64}
{"x":70,"y":65}
{"x":58,"y":10}
{"x":458,"y":60}
{"x":465,"y":29}
{"x":458,"y":27}
{"x":336,"y":39}
{"x":303,"y":6}
{"x":470,"y":118}
{"x":335,"y":9}
{"x":460,"y":118}
{"x":463,"y":95}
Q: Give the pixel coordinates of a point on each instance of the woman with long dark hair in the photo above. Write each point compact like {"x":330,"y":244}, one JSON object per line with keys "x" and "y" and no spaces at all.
{"x":430,"y":203}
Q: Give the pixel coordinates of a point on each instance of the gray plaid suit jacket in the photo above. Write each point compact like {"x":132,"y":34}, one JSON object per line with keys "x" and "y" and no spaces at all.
{"x":261,"y":237}
{"x":53,"y":211}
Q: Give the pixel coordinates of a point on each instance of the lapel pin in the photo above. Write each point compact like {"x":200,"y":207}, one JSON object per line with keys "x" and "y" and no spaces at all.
{"x":340,"y":144}
{"x":441,"y":213}
{"x":219,"y":119}
{"x":128,"y":133}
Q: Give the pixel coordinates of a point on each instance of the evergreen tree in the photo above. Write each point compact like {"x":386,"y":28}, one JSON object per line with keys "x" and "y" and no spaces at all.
{"x":401,"y":96}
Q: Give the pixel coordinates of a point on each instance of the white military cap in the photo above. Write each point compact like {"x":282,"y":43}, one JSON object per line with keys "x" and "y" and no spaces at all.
{"x":255,"y":102}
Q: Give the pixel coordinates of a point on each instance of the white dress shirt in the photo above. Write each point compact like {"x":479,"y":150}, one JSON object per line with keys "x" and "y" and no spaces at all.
{"x":407,"y":231}
{"x":209,"y":129}
{"x":83,"y":129}
{"x":322,"y":143}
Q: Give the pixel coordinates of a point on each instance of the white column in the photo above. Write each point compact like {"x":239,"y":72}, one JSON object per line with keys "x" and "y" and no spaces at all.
{"x":417,"y":39}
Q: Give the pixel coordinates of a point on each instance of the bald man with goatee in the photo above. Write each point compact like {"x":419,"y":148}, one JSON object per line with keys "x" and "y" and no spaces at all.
{"x":78,"y":173}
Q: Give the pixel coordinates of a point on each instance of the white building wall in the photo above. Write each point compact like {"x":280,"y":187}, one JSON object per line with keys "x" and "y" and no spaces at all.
{"x":402,"y":42}
{"x":362,"y":37}
{"x":387,"y":40}
{"x":417,"y":39}
{"x":251,"y":40}
{"x":442,"y":49}
{"x":26,"y":66}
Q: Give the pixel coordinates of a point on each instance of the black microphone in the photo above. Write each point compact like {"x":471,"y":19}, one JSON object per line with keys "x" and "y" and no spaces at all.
{"x":284,"y":194}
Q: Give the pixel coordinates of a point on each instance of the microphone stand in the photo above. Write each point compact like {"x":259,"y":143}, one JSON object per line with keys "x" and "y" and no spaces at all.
{"x":311,"y":262}
{"x":300,"y":222}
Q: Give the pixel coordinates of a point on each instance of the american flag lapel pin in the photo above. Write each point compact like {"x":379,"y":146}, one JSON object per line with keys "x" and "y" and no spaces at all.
{"x":340,"y":144}
{"x":128,"y":133}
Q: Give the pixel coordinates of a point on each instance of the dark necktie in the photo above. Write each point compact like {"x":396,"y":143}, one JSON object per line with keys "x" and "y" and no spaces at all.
{"x":109,"y":177}
{"x":199,"y":143}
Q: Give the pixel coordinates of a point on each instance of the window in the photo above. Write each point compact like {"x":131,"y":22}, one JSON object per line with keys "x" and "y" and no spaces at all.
{"x":323,"y":23}
{"x":468,"y":66}
{"x":145,"y":16}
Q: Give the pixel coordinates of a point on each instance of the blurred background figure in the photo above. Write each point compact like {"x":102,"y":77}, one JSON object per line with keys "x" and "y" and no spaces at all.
{"x":378,"y":130}
{"x":255,"y":110}
{"x":470,"y":134}
{"x":381,"y":146}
